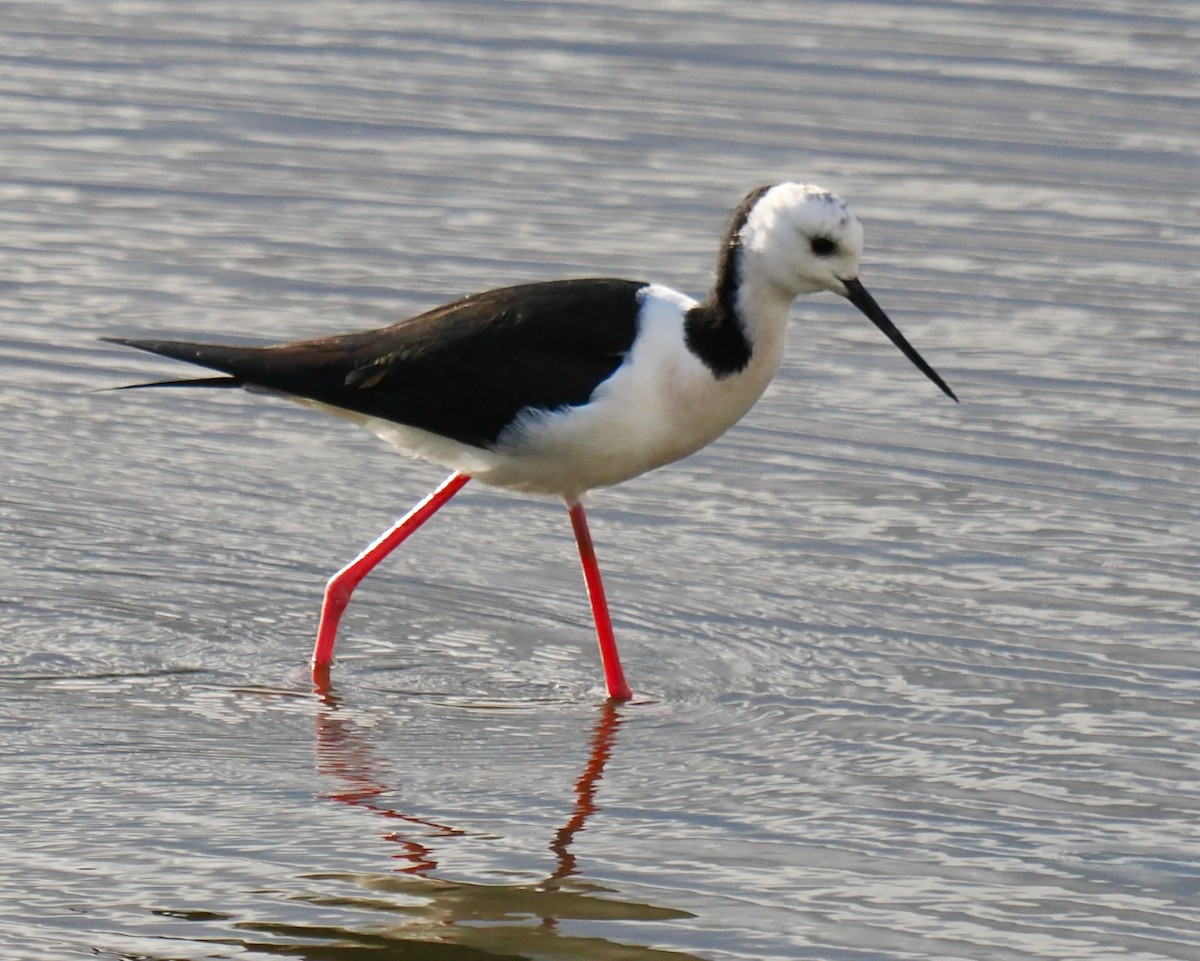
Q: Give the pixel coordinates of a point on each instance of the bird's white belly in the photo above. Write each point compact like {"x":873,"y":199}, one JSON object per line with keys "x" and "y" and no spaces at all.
{"x":632,"y":426}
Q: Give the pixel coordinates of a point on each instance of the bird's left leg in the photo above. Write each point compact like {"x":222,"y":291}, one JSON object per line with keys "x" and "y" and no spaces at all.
{"x":342,"y":584}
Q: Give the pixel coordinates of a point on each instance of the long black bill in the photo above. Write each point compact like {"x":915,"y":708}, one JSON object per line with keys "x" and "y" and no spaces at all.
{"x":857,"y":294}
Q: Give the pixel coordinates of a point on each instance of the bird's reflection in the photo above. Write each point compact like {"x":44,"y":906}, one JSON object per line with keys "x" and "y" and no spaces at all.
{"x":466,"y":919}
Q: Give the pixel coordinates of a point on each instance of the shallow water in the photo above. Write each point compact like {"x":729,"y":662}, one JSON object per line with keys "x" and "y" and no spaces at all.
{"x":915,"y":680}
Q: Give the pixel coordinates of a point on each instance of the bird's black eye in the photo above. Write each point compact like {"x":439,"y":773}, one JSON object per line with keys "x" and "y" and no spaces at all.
{"x":822,"y":246}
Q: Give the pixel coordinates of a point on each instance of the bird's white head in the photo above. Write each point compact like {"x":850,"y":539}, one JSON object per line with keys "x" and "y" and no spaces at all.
{"x":798,"y":239}
{"x":802,"y":239}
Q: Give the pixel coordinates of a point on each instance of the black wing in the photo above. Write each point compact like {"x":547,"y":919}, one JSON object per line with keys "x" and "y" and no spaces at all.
{"x":463,"y":370}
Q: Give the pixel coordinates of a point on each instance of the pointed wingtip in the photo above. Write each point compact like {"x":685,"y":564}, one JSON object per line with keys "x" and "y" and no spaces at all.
{"x":152,"y":346}
{"x":123,"y":341}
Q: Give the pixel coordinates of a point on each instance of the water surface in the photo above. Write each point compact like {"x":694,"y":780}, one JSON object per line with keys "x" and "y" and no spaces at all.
{"x":915,"y":679}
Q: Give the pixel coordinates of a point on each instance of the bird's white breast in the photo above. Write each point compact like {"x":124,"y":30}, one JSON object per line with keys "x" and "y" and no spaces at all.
{"x":660,"y":405}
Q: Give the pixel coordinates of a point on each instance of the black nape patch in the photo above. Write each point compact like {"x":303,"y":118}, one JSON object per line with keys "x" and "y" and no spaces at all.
{"x":713,"y":331}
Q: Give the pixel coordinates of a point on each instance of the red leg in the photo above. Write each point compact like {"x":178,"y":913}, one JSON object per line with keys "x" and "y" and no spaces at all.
{"x":614,"y":677}
{"x":342,"y":584}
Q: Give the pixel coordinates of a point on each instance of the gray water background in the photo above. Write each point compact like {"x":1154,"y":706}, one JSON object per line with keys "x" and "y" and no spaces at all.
{"x":915,"y":680}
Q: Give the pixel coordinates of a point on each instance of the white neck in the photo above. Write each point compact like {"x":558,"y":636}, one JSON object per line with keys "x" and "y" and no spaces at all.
{"x":763,"y":305}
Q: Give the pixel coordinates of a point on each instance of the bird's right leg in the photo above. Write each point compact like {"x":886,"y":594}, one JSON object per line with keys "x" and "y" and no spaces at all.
{"x":610,"y":660}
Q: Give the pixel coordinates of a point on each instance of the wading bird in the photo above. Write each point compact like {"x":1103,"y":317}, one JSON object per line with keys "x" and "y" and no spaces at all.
{"x":567,"y":385}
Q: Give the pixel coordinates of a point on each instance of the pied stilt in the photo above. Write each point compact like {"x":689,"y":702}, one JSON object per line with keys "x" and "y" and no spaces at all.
{"x":568,"y":385}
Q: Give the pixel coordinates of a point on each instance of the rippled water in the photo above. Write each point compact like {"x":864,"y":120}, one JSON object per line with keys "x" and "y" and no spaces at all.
{"x":915,"y":680}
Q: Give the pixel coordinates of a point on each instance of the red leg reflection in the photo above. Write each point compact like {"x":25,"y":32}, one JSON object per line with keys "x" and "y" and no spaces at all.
{"x":344,"y":755}
{"x":603,"y":738}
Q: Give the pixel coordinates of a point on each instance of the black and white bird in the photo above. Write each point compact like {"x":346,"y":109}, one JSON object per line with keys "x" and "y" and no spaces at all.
{"x":567,"y":385}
